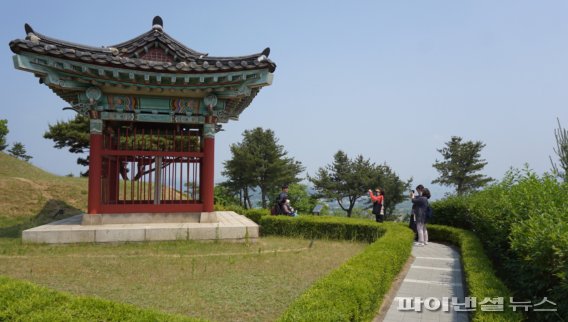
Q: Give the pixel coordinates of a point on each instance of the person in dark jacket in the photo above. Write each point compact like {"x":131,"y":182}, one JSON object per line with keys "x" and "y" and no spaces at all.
{"x":282,"y":197}
{"x":426,"y":193}
{"x":419,"y":206}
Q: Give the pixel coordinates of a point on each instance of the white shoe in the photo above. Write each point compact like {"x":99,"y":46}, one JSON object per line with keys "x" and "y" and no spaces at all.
{"x":418,"y":244}
{"x":425,"y":243}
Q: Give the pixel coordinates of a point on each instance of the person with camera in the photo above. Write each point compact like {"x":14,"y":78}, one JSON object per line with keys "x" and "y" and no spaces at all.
{"x":378,"y":204}
{"x":419,"y":206}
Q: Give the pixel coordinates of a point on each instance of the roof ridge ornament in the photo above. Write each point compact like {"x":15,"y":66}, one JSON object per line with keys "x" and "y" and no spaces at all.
{"x":28,"y":29}
{"x":31,"y":34}
{"x":158,"y":23}
{"x":264,"y":55}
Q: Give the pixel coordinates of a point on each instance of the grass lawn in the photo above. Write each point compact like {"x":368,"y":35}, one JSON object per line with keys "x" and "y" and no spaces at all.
{"x":215,"y":281}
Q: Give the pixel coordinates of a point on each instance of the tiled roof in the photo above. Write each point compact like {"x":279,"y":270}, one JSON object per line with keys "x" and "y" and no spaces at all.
{"x":154,"y":50}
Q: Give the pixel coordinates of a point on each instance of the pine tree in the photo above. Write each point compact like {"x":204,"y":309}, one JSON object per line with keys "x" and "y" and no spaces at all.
{"x":18,"y":150}
{"x":72,"y":134}
{"x":461,"y":164}
{"x":259,"y":161}
{"x":346,"y":180}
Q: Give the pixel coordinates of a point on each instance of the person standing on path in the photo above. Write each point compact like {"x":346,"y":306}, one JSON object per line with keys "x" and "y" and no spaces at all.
{"x":419,"y":206}
{"x":378,"y":204}
{"x":428,"y":214}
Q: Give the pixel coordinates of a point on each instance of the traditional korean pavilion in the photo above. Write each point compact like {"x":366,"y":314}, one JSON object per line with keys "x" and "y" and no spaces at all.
{"x":154,"y":106}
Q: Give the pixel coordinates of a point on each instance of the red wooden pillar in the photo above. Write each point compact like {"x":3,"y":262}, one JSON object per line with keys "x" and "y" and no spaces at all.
{"x":95,"y":167}
{"x":113,"y":179}
{"x":207,"y":168}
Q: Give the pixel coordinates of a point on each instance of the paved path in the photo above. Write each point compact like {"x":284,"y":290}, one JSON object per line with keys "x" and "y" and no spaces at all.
{"x":435,"y":273}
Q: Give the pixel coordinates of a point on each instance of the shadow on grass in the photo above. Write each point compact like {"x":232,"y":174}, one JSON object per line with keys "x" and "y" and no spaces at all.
{"x":52,"y":210}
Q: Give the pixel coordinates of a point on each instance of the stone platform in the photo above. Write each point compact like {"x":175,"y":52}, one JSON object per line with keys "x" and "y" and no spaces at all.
{"x":230,"y":226}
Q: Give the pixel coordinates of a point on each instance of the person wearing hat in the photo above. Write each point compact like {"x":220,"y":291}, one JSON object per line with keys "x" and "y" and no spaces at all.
{"x":378,"y":208}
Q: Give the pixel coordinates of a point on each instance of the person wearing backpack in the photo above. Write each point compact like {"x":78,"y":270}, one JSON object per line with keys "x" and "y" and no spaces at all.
{"x":278,"y":208}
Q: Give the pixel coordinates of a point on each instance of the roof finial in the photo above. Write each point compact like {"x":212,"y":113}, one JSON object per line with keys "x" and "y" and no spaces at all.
{"x":30,"y":34}
{"x":158,"y":23}
{"x":28,"y":29}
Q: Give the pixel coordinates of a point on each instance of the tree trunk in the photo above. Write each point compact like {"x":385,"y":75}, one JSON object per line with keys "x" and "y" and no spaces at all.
{"x":263,"y":196}
{"x":348,"y":210}
{"x":246,"y":199}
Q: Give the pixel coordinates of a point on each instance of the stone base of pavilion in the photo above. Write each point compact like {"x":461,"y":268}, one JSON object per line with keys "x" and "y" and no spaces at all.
{"x":230,"y":226}
{"x":150,"y":218}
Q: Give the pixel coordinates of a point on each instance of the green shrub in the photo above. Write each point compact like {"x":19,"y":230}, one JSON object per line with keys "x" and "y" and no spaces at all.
{"x":540,"y":245}
{"x":355,"y":290}
{"x":451,"y":211}
{"x":256,"y":214}
{"x":523,"y":224}
{"x":480,"y":278}
{"x":24,"y":301}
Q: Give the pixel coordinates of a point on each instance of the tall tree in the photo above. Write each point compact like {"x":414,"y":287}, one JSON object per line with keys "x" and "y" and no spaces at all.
{"x":3,"y":133}
{"x":240,"y":179}
{"x":259,"y":161}
{"x":396,"y":190}
{"x":461,"y":164}
{"x":18,"y":150}
{"x":73,"y":134}
{"x":345,"y":180}
{"x":561,"y":150}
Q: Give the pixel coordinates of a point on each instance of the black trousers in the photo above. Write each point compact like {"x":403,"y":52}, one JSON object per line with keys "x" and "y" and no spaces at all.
{"x":377,"y":211}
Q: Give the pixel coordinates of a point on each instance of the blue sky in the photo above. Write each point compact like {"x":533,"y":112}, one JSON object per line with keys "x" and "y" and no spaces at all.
{"x":391,"y":80}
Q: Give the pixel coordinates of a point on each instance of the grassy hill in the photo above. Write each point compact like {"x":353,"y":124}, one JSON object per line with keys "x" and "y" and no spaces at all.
{"x":30,"y":196}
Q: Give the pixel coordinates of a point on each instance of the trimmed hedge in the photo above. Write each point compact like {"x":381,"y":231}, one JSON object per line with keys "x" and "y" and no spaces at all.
{"x":355,"y":290}
{"x":480,"y":278}
{"x":321,"y":228}
{"x":255,"y":214}
{"x":24,"y":301}
{"x":350,"y":292}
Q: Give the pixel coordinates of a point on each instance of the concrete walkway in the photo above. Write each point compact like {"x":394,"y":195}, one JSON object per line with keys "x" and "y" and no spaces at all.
{"x":434,"y":278}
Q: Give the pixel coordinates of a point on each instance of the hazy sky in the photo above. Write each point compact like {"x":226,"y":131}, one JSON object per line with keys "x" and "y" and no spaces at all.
{"x":391,"y":80}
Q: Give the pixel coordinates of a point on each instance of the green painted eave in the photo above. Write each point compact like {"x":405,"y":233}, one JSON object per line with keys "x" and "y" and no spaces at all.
{"x":60,"y":74}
